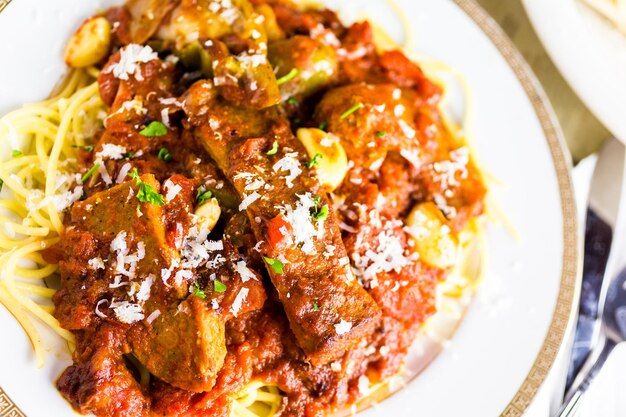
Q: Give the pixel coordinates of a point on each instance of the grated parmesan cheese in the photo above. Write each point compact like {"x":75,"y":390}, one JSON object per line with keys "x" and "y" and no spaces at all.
{"x":301,"y":222}
{"x":98,"y":312}
{"x":241,"y":297}
{"x":364,"y":385}
{"x":144,"y":289}
{"x":111,"y":151}
{"x":127,"y":312}
{"x":130,"y":56}
{"x":289,"y":163}
{"x":153,"y":316}
{"x":249,"y":199}
{"x":171,"y":190}
{"x":245,"y":272}
{"x":120,"y":246}
{"x":165,"y":116}
{"x":96,"y":263}
{"x":121,"y":176}
{"x":343,"y":327}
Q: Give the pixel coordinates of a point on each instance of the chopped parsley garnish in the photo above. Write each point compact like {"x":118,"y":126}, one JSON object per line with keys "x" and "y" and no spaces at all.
{"x":287,"y":77}
{"x":380,"y":134}
{"x":323,"y":125}
{"x":292,"y":100}
{"x":89,"y":173}
{"x":276,"y":265}
{"x":219,"y":286}
{"x":351,"y":110}
{"x":146,"y":193}
{"x":321,"y":214}
{"x":129,"y":155}
{"x":88,"y":148}
{"x":274,"y":149}
{"x":203,"y":195}
{"x":154,"y":129}
{"x":1,"y":184}
{"x":316,"y":307}
{"x":315,"y":161}
{"x":15,"y":153}
{"x":197,"y":291}
{"x":165,"y":155}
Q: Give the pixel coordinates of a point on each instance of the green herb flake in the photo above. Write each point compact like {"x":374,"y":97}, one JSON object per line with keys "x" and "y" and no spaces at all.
{"x":89,"y":173}
{"x":381,"y":134}
{"x":315,"y":161}
{"x":274,"y":149}
{"x":154,"y":129}
{"x":129,"y":155}
{"x":287,"y":77}
{"x":203,"y":195}
{"x":292,"y":100}
{"x":277,"y":266}
{"x":316,"y":307}
{"x":88,"y":148}
{"x":15,"y":153}
{"x":323,"y":126}
{"x":146,"y":193}
{"x":321,"y":214}
{"x":351,"y":110}
{"x":1,"y":184}
{"x":317,"y":200}
{"x":165,"y":155}
{"x":197,"y":291}
{"x":219,"y":286}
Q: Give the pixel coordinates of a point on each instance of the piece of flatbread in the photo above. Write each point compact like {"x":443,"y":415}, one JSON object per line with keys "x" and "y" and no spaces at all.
{"x":613,"y":10}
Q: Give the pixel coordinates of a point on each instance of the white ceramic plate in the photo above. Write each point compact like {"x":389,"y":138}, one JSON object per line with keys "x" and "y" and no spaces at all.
{"x":509,"y":338}
{"x":589,"y":52}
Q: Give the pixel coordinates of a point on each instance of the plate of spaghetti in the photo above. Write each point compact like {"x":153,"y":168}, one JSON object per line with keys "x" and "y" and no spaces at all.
{"x":257,"y":208}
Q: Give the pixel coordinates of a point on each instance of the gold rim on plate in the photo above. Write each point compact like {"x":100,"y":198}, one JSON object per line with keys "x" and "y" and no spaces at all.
{"x":568,"y":291}
{"x":567,"y":300}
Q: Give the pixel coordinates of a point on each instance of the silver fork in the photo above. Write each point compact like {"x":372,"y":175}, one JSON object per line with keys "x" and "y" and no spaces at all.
{"x":607,"y":198}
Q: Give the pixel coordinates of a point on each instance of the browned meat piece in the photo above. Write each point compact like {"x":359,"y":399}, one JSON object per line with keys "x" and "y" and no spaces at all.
{"x":184,"y":346}
{"x":99,"y":381}
{"x":327,"y":308}
{"x":383,"y":121}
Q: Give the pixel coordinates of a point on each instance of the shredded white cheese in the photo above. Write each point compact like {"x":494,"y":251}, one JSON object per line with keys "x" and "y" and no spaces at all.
{"x":96,"y":263}
{"x":111,"y":151}
{"x":171,"y":190}
{"x":343,"y":327}
{"x":289,"y":163}
{"x":98,"y":312}
{"x":144,"y":289}
{"x":127,"y":312}
{"x":249,"y":199}
{"x":130,"y":56}
{"x":364,"y":385}
{"x":121,"y":176}
{"x":245,"y":272}
{"x":153,"y":316}
{"x":301,"y":221}
{"x":241,"y":297}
